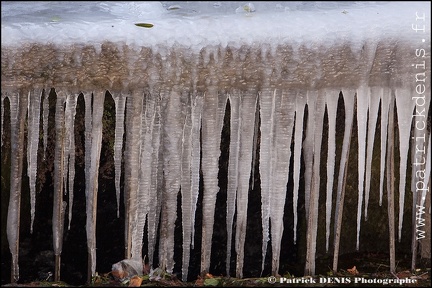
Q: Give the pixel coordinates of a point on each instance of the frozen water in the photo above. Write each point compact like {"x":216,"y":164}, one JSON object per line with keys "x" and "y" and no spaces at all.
{"x":332,"y":98}
{"x":34,"y":98}
{"x":171,"y":76}
{"x":120,"y":102}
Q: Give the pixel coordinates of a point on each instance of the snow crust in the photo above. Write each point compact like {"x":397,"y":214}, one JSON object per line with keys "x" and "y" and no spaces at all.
{"x":198,"y":24}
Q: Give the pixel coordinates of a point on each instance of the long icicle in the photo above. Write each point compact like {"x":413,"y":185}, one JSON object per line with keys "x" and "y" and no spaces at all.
{"x":390,"y":185}
{"x":267,"y":111}
{"x":172,"y":135}
{"x":349,"y":100}
{"x":92,"y":189}
{"x":312,"y":226}
{"x":362,"y":109}
{"x":18,"y":108}
{"x":232,"y":172}
{"x":34,"y":98}
{"x":385,"y":106}
{"x":405,"y":106}
{"x":186,"y":182}
{"x":374,"y":101}
{"x":214,"y":110}
{"x":59,"y":167}
{"x":246,"y":115}
{"x":332,"y":97}
{"x":120,"y":102}
{"x":298,"y":139}
{"x":284,"y":124}
{"x":134,"y":108}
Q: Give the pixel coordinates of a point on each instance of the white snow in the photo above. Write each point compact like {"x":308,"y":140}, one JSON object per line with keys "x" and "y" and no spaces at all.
{"x":201,"y":24}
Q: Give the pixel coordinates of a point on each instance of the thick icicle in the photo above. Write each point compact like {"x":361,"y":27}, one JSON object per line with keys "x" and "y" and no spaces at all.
{"x":196,"y":156}
{"x":186,"y":183}
{"x":172,"y":134}
{"x":32,"y":147}
{"x":362,"y":108}
{"x":59,"y":169}
{"x":298,"y":139}
{"x":156,"y":182}
{"x":246,"y":116}
{"x":45,"y":114}
{"x":405,"y":107}
{"x":374,"y":101}
{"x":92,"y":189}
{"x":18,"y":108}
{"x":214,"y":110}
{"x":390,"y":183}
{"x":349,"y":100}
{"x":284,"y":123}
{"x":120,"y":102}
{"x":267,"y":110}
{"x":385,"y":106}
{"x":312,"y":224}
{"x":332,"y":97}
{"x":232,"y":171}
{"x":134,"y":108}
{"x":139,"y":218}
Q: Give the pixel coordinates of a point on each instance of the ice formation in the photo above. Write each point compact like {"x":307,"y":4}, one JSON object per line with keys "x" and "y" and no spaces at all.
{"x":171,"y":79}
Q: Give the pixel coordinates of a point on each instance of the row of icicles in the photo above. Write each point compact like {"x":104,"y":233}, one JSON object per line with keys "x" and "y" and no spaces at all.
{"x":162,"y":154}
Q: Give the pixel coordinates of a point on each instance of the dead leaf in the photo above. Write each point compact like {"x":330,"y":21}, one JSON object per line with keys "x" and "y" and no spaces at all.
{"x":199,"y":282}
{"x":208,"y":275}
{"x":353,"y":271}
{"x":135,"y":281}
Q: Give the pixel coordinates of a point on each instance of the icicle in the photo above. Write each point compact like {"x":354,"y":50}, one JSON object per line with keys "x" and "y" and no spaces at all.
{"x":308,"y":148}
{"x":332,"y":97}
{"x":214,"y":110}
{"x":405,"y":106}
{"x":88,"y":135}
{"x":45,"y":115}
{"x":186,"y":183}
{"x":318,"y":111}
{"x":69,"y":147}
{"x":246,"y":115}
{"x":362,"y":108}
{"x":374,"y":101}
{"x":134,"y":108}
{"x":232,"y":171}
{"x":172,"y":135}
{"x":92,"y":188}
{"x":18,"y":107}
{"x":298,"y":138}
{"x":120,"y":101}
{"x":156,"y":183}
{"x":196,"y":156}
{"x":70,"y":125}
{"x":348,"y":96}
{"x":390,"y":184}
{"x":267,"y":111}
{"x":284,"y":123}
{"x":32,"y":147}
{"x":139,"y":218}
{"x":59,"y":167}
{"x":385,"y":106}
